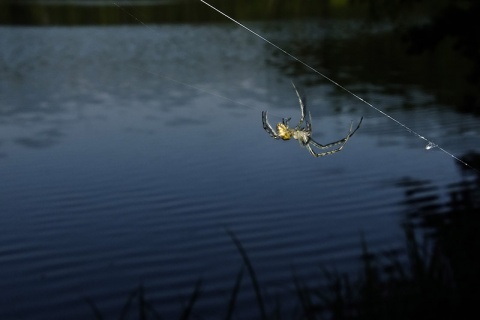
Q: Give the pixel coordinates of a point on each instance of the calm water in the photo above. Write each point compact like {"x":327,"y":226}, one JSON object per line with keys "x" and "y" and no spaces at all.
{"x":113,"y":175}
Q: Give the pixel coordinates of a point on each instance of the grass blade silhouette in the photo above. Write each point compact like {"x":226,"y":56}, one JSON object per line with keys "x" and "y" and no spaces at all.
{"x":96,"y":311}
{"x":191,"y":302}
{"x":233,"y":297}
{"x":251,"y":272}
{"x":128,"y":303}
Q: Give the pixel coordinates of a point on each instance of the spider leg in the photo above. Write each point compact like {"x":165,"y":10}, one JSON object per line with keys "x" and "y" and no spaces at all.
{"x":311,"y":141}
{"x":268,"y":128}
{"x":321,"y":154}
{"x":308,"y":123}
{"x":286,"y":120}
{"x":303,"y":106}
{"x":342,"y":141}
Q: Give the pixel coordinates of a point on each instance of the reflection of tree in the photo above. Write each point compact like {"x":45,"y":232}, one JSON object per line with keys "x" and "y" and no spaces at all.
{"x":449,"y":23}
{"x":458,"y":22}
{"x":365,"y":58}
{"x":441,"y":55}
{"x":430,"y":210}
{"x":452,"y":225}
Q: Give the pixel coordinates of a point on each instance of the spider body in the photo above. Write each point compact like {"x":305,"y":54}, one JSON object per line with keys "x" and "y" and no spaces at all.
{"x":302,"y":132}
{"x":284,"y":132}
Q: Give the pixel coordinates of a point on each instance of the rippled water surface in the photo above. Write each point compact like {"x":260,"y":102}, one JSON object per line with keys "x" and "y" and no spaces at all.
{"x":113,"y":174}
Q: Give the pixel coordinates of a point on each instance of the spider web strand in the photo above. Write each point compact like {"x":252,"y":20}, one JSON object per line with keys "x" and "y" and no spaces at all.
{"x":341,"y":87}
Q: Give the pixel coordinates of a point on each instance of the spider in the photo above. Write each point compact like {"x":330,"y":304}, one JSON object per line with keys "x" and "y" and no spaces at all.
{"x":302,"y":132}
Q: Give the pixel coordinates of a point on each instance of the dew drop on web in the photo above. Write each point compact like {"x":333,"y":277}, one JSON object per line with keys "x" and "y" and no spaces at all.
{"x":430,"y":145}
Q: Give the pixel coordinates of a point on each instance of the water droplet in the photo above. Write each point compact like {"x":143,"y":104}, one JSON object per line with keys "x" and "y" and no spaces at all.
{"x":430,"y":145}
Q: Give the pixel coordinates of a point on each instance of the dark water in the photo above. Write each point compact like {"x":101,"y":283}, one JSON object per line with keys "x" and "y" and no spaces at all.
{"x":112,"y":175}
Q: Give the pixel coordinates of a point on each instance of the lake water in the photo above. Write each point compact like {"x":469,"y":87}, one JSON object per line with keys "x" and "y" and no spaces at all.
{"x":115,"y":175}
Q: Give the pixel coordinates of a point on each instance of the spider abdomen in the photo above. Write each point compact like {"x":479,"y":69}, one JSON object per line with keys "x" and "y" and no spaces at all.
{"x":284,"y":132}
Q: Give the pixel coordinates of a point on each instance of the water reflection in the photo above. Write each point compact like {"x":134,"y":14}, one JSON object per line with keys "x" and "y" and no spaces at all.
{"x":432,"y":207}
{"x":379,"y":62}
{"x":113,"y":175}
{"x":449,"y":28}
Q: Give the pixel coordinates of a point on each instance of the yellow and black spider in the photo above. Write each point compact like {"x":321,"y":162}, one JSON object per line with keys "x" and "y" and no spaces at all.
{"x":303,"y":133}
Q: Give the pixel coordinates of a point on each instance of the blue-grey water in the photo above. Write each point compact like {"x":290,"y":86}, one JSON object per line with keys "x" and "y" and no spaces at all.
{"x":114,"y":175}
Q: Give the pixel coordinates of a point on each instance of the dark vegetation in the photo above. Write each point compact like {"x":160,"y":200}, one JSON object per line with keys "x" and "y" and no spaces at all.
{"x":436,"y":277}
{"x":106,"y":12}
